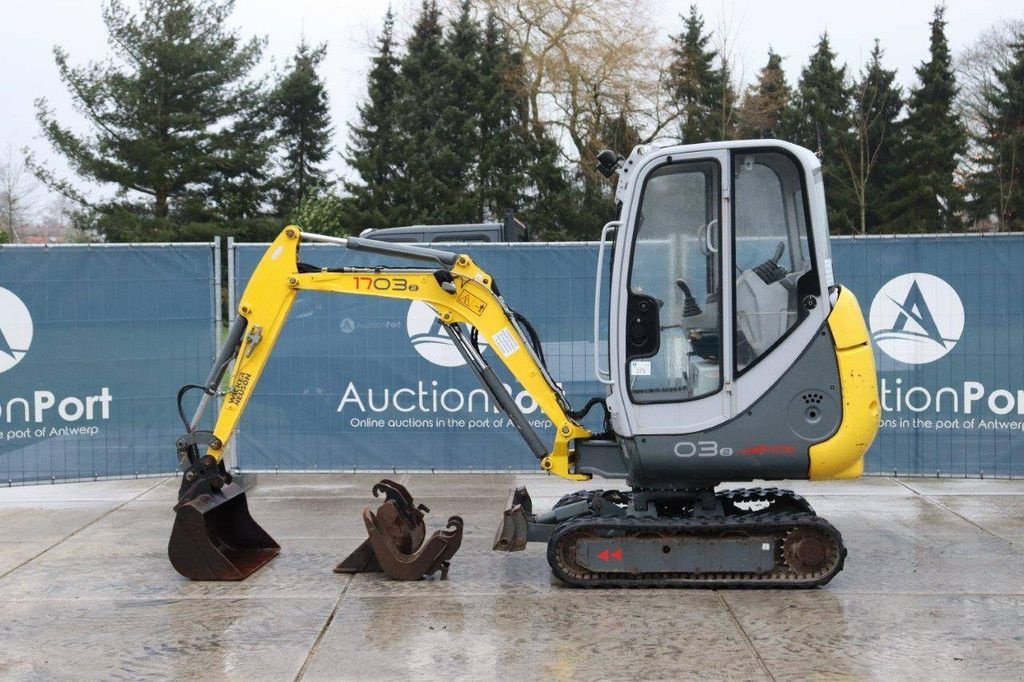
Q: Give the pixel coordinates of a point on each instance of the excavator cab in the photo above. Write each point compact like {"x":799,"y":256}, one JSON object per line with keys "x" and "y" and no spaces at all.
{"x":723,"y":361}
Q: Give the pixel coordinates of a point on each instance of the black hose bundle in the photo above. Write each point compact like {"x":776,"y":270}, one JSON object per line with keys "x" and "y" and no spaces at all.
{"x":538,"y":349}
{"x":181,"y":394}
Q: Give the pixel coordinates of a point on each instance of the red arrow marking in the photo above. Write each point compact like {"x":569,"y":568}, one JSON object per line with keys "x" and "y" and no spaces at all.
{"x":617,"y":554}
{"x":603,"y":555}
{"x":762,"y":449}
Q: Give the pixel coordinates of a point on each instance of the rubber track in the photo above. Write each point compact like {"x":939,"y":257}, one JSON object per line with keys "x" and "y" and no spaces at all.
{"x":775,"y":526}
{"x":772,"y":495}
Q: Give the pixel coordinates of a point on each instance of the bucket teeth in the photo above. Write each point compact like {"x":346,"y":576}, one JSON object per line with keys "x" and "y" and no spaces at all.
{"x":396,"y":545}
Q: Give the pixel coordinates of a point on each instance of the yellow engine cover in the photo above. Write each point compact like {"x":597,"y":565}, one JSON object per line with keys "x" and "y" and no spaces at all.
{"x":842,"y":455}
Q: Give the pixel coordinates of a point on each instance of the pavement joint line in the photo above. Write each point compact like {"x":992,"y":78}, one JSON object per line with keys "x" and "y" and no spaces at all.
{"x":79,"y":530}
{"x":933,"y":501}
{"x":323,"y":631}
{"x":750,"y":642}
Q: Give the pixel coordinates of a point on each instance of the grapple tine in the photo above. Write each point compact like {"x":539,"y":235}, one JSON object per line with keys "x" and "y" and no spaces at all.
{"x":397,"y":493}
{"x":215,"y":538}
{"x":391,"y":489}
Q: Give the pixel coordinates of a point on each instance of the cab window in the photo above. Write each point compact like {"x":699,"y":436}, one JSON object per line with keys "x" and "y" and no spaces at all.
{"x":772,"y":251}
{"x":676,"y":267}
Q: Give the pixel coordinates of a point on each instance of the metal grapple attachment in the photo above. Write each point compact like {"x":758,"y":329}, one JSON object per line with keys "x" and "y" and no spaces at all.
{"x":396,"y":545}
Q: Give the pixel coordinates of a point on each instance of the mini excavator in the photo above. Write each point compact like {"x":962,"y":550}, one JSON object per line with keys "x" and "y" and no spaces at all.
{"x":732,"y":356}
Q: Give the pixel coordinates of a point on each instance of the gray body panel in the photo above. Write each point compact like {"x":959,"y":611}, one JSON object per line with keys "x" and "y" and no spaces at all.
{"x":601,"y":458}
{"x":770,"y":441}
{"x":678,"y":555}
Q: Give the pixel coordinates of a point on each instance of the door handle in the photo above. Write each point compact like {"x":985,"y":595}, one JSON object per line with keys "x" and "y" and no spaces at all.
{"x":709,"y":242}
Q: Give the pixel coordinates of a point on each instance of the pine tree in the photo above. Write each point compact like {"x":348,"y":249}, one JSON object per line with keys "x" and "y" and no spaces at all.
{"x":936,"y":140}
{"x":425,"y":186}
{"x":702,"y":90}
{"x":998,"y":185}
{"x":374,"y":147}
{"x":500,"y":163}
{"x":299,"y":105}
{"x":819,"y":119}
{"x":872,"y":160}
{"x":240,"y":180}
{"x":446,"y":134}
{"x":765,"y":102}
{"x":456,"y":133}
{"x":175,"y":117}
{"x":517,"y":165}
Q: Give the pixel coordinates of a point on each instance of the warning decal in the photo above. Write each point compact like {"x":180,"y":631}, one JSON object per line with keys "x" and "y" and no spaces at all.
{"x":472,"y":302}
{"x":505,"y":342}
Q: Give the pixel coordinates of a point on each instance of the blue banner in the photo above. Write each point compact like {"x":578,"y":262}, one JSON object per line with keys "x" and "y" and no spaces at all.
{"x":946,"y":315}
{"x":94,"y":343}
{"x":361,"y":383}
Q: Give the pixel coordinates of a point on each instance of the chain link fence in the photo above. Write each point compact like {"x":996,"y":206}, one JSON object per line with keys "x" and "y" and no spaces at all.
{"x":94,"y":342}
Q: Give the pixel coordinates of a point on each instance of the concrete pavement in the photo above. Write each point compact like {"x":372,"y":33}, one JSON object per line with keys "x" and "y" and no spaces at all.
{"x":933,"y":586}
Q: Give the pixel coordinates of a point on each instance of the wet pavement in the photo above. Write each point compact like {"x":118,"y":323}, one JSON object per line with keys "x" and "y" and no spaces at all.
{"x":933,"y":587}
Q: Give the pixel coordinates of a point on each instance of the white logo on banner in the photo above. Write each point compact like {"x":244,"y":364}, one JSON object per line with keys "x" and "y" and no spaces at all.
{"x":916,"y":318}
{"x":15,"y":330}
{"x":430,"y":338}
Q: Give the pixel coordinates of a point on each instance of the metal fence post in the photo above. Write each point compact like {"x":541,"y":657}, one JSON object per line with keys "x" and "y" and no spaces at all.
{"x":232,"y":453}
{"x":215,"y":297}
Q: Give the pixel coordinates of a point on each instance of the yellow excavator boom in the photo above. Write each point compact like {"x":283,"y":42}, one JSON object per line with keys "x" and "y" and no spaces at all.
{"x":460,"y":293}
{"x":214,"y":536}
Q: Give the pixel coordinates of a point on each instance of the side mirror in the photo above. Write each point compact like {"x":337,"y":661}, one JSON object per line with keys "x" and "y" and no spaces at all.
{"x":608,"y":163}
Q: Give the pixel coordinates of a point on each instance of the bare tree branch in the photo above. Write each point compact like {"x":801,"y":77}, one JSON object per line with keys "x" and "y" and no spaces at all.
{"x":17,"y":190}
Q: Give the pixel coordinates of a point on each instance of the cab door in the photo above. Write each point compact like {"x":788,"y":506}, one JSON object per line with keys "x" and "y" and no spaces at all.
{"x":671,"y":360}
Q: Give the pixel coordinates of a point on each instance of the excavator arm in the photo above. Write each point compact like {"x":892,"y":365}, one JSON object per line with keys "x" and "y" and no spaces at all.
{"x":214,"y":536}
{"x":458,"y":290}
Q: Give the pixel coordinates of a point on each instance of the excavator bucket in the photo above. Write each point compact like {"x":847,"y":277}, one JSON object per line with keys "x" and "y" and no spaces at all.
{"x":403,"y":535}
{"x":400,"y":519}
{"x":215,"y":538}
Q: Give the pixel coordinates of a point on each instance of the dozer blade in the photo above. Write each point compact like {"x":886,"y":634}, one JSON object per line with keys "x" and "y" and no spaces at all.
{"x":215,"y":538}
{"x":512,"y":531}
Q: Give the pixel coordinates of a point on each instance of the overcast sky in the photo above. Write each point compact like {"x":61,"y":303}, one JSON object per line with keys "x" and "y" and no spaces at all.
{"x":30,"y":28}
